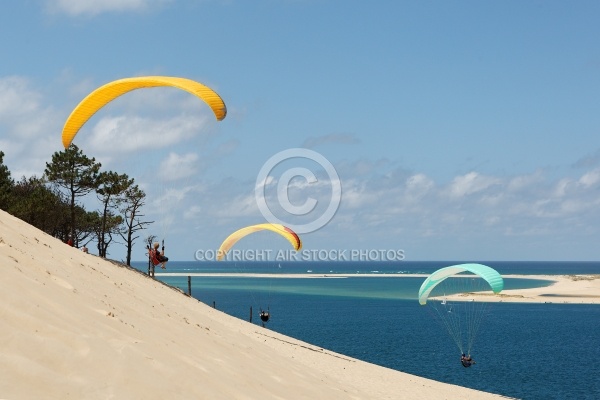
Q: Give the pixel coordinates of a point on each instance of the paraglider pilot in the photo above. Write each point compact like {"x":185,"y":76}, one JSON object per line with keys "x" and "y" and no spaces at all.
{"x":264,"y":317}
{"x":159,"y":256}
{"x":466,"y":360}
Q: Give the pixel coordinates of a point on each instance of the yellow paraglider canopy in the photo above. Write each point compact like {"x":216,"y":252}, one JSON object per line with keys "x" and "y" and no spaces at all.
{"x":232,"y":239}
{"x":106,"y":93}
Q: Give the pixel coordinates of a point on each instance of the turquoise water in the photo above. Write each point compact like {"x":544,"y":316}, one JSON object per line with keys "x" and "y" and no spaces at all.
{"x":529,"y":351}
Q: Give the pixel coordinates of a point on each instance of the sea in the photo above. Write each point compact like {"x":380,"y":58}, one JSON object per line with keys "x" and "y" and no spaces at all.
{"x":524,"y":351}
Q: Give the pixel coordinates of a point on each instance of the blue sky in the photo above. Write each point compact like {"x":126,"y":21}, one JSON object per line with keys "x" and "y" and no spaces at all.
{"x":459,"y":130}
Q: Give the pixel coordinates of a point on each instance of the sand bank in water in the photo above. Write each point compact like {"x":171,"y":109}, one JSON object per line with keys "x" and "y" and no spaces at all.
{"x":573,"y":289}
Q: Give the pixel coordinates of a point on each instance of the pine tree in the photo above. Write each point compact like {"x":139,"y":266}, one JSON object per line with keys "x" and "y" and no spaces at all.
{"x":133,"y":200}
{"x":77,"y":174}
{"x":111,"y":186}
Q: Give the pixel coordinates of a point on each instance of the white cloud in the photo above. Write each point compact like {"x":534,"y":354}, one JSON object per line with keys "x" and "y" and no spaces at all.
{"x":470,"y":183}
{"x":129,"y":134}
{"x":243,"y":205}
{"x":29,"y":125}
{"x":590,"y":179}
{"x":524,"y":181}
{"x":561,"y":187}
{"x":176,"y":167}
{"x":17,"y":98}
{"x":356,"y":195}
{"x":417,"y":187}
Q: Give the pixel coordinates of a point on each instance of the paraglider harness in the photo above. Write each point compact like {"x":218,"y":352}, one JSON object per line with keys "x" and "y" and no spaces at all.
{"x":264,"y":316}
{"x":153,"y":257}
{"x":466,"y":361}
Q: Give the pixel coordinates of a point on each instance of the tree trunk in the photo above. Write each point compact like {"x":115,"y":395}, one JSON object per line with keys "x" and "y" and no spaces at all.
{"x":72,"y":224}
{"x":129,"y":241}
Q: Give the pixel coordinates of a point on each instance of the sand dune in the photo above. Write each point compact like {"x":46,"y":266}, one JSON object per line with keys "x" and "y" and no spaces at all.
{"x":74,"y":326}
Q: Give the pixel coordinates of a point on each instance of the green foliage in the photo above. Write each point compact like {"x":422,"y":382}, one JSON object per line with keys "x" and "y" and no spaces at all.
{"x":6,"y":184}
{"x":41,"y":206}
{"x":76,"y":173}
{"x":111,"y":185}
{"x":46,"y":208}
{"x":50,"y":203}
{"x":73,"y":171}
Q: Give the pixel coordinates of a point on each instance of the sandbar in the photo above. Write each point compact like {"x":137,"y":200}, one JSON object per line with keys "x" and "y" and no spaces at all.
{"x":570,"y":289}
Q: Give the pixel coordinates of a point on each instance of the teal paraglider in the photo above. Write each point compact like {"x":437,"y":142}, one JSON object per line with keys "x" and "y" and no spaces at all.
{"x":490,"y":275}
{"x":449,"y":293}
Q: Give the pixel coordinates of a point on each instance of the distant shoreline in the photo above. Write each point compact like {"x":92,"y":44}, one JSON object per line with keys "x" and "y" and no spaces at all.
{"x":287,"y":276}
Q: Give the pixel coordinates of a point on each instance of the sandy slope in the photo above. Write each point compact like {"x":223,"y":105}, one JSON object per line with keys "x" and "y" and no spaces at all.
{"x":73,"y":326}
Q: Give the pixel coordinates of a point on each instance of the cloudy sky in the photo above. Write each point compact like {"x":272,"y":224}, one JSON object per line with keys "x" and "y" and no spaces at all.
{"x":461,"y":130}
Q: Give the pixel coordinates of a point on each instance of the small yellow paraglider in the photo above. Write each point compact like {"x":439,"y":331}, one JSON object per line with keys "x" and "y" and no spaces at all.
{"x":232,"y":239}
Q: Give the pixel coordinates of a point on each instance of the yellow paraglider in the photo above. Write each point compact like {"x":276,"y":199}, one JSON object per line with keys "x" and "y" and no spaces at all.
{"x":232,"y":239}
{"x":106,"y":93}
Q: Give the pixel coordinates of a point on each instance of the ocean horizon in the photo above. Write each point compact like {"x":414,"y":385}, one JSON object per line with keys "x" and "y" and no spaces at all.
{"x":527,"y":351}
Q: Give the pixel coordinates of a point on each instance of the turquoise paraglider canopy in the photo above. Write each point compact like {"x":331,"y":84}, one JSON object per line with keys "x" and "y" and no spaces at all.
{"x":461,"y":317}
{"x":490,"y":275}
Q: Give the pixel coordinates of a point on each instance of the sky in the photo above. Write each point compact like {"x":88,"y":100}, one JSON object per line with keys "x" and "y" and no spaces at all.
{"x":438,"y":130}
